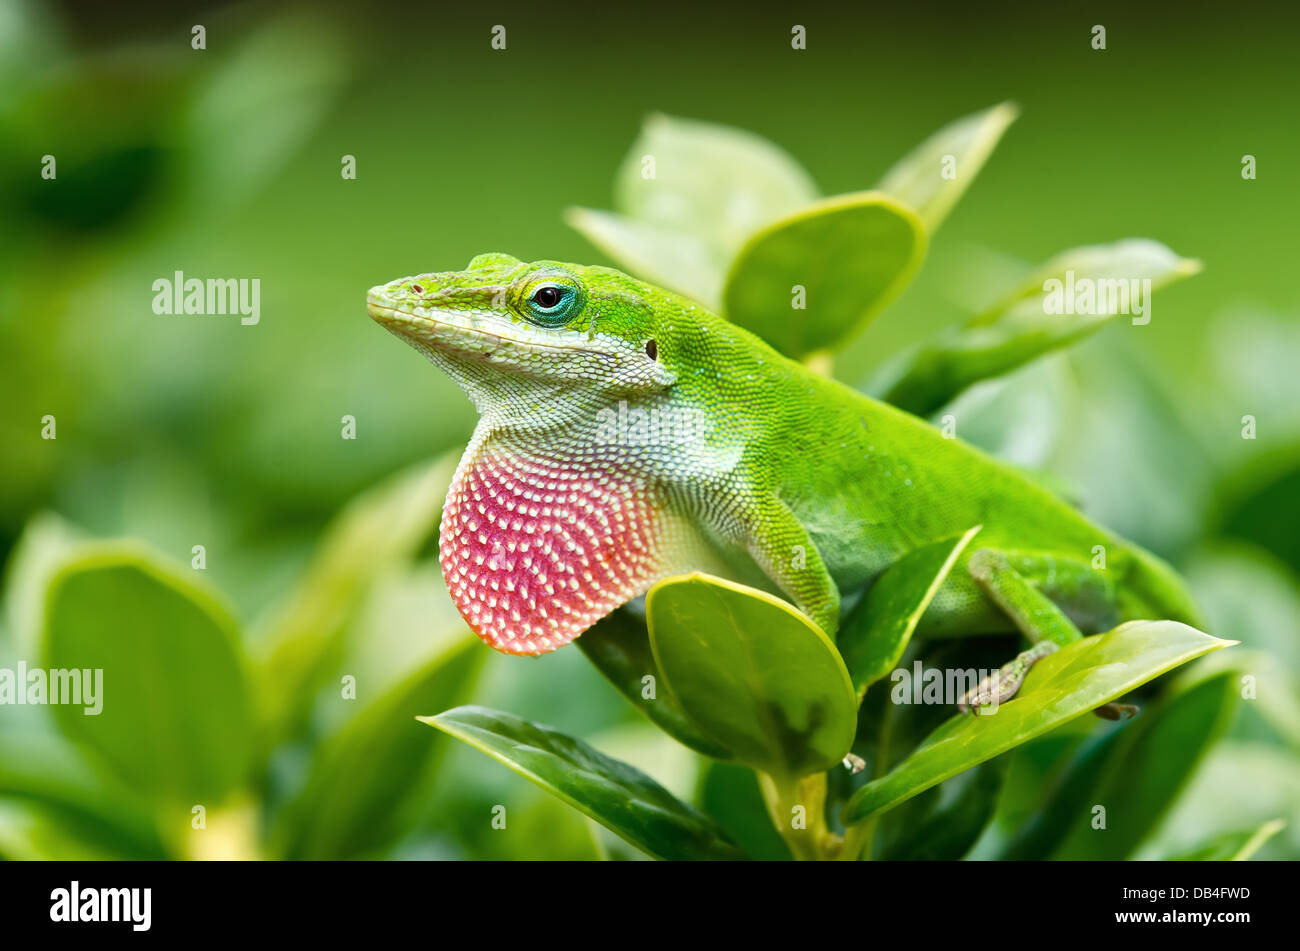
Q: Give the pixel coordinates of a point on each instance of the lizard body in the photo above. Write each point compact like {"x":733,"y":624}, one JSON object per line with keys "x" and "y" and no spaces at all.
{"x":627,"y":434}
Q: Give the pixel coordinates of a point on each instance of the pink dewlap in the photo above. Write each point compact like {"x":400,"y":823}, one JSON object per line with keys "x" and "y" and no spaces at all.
{"x":535,"y":553}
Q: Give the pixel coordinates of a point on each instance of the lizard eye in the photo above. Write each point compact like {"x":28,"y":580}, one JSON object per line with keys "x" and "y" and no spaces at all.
{"x":552,"y":303}
{"x":547,"y":297}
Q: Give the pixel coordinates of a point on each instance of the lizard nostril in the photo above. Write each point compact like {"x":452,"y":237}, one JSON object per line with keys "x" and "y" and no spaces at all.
{"x":652,"y":350}
{"x":417,"y":288}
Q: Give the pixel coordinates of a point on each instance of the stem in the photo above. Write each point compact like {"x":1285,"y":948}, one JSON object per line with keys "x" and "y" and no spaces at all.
{"x":857,"y":840}
{"x":814,"y":841}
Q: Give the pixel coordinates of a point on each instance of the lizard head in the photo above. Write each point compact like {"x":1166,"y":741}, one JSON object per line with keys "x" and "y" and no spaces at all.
{"x":548,"y":524}
{"x":511,"y":332}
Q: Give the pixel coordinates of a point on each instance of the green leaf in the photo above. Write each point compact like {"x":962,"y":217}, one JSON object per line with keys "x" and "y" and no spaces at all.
{"x":1073,"y":681}
{"x":369,"y":781}
{"x":1140,"y":765}
{"x":619,"y":647}
{"x":949,"y":831}
{"x":679,"y":262}
{"x":47,"y":540}
{"x":622,"y":799}
{"x":1132,"y":259}
{"x":715,"y":182}
{"x":175,"y":722}
{"x":754,"y":674}
{"x":731,"y":795}
{"x":1153,"y":762}
{"x":1233,"y":846}
{"x":1158,"y":504}
{"x":1069,"y":796}
{"x":917,"y":180}
{"x":382,"y":528}
{"x":689,"y":194}
{"x":1240,"y":785}
{"x":1033,"y":771}
{"x":877,"y":631}
{"x":851,"y":254}
{"x":1021,"y":326}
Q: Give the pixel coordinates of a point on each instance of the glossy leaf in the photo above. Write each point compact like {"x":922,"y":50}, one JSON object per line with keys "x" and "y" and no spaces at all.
{"x":874,"y":636}
{"x":1027,"y":322}
{"x":619,"y":647}
{"x":624,"y":800}
{"x":851,"y":255}
{"x":731,"y":795}
{"x":367,"y":782}
{"x":1153,"y":762}
{"x":679,"y":262}
{"x":1069,"y":796}
{"x":754,"y":674}
{"x":952,"y":827}
{"x":1073,"y":681}
{"x":717,"y":183}
{"x":175,"y":722}
{"x":918,"y":180}
{"x":1132,"y":259}
{"x":688,"y":195}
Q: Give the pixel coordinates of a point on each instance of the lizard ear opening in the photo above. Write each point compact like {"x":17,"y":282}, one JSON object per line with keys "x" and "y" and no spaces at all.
{"x":652,"y":349}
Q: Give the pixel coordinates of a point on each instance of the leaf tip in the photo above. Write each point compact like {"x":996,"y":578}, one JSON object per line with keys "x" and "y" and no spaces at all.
{"x":1008,"y":111}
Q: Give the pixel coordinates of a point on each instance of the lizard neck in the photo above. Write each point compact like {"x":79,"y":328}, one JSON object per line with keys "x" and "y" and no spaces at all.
{"x":536,"y":546}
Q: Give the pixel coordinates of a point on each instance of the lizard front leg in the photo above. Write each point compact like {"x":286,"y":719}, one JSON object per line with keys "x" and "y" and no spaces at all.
{"x":782,"y":548}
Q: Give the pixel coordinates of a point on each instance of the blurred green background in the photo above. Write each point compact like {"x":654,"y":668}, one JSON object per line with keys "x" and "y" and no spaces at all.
{"x":226,"y":162}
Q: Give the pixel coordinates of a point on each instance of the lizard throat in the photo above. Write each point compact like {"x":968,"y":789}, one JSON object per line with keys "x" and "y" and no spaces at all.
{"x":536,"y":550}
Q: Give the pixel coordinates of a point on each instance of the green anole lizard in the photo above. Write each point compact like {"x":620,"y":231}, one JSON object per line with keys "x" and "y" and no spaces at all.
{"x":627,"y":434}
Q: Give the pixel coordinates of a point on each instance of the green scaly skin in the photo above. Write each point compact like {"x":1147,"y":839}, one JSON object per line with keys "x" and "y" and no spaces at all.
{"x":627,"y":434}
